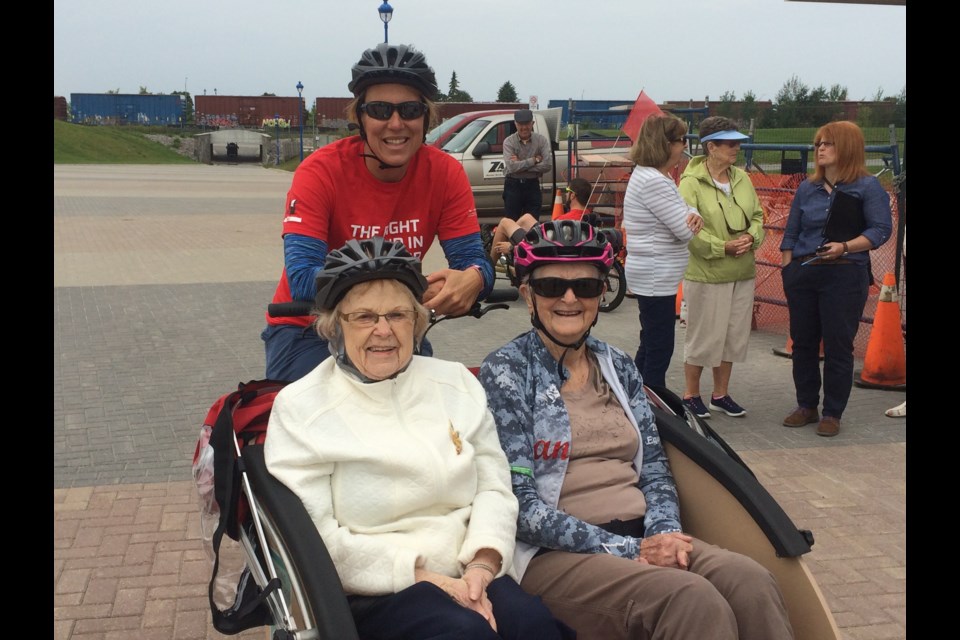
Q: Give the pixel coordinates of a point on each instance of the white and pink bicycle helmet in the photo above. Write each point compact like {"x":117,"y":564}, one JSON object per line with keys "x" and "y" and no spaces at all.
{"x":562,"y":241}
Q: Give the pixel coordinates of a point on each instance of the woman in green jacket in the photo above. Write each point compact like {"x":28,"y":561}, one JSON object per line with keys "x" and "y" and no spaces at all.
{"x":718,"y":285}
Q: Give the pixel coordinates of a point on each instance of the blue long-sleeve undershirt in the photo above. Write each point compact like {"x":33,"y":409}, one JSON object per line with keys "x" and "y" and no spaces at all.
{"x":464,"y":252}
{"x":304,"y":257}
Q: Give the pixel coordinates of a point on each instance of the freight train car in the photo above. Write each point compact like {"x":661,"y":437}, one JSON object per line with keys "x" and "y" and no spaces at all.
{"x":614,"y":121}
{"x":59,"y":108}
{"x":331,"y":112}
{"x":450,"y":109}
{"x":121,"y":108}
{"x":247,"y":112}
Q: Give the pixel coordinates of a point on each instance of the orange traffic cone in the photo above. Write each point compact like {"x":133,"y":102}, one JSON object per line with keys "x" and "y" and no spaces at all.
{"x":787,"y":351}
{"x":679,"y":297}
{"x":557,"y":205}
{"x":885,"y":363}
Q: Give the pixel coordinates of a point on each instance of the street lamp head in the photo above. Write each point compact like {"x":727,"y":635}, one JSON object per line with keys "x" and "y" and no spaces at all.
{"x":300,"y":115}
{"x":386,"y":11}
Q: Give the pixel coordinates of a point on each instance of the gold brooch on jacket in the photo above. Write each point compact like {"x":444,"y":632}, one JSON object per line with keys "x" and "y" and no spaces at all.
{"x":455,"y":438}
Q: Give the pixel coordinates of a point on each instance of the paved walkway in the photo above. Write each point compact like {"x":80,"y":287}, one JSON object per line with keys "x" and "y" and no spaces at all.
{"x":161,"y":277}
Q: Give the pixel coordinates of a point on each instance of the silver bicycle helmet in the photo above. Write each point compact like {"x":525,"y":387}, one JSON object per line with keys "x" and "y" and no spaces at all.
{"x":363,"y":260}
{"x":393,"y":63}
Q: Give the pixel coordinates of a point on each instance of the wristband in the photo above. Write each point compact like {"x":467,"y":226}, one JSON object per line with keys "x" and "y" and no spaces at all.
{"x":480,"y":565}
{"x":845,"y":250}
{"x":476,"y":267}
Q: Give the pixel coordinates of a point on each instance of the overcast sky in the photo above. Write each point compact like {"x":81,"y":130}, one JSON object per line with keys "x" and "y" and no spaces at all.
{"x":552,"y":49}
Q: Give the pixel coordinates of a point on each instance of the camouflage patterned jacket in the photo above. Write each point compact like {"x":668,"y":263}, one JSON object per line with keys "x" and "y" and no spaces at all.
{"x":523,"y":393}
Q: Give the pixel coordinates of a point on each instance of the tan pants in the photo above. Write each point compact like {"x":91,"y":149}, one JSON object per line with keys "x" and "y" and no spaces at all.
{"x":719,"y":318}
{"x":724,"y":596}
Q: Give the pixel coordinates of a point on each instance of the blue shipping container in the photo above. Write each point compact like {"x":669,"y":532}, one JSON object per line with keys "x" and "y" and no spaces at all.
{"x":120,"y":108}
{"x":614,"y":120}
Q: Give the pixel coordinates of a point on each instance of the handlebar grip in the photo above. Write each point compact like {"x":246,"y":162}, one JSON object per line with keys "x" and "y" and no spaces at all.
{"x":502,"y":295}
{"x":305,"y":307}
{"x":290,"y":309}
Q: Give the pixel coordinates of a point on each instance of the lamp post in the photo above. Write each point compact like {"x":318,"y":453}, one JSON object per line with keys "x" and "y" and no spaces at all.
{"x":300,"y":104}
{"x":276,"y":123}
{"x":386,"y":12}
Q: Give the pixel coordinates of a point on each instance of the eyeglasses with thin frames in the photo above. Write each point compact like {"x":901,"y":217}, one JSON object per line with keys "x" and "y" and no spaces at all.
{"x":366,"y":319}
{"x":823,"y":143}
{"x":410,"y":110}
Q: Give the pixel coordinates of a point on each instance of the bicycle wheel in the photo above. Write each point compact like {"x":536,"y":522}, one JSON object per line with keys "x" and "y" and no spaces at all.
{"x":486,"y":237}
{"x":313,"y":602}
{"x":616,"y":288}
{"x":290,"y":608}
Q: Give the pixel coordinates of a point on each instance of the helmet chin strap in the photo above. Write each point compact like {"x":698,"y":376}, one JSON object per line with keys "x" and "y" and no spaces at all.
{"x":538,"y":324}
{"x":366,"y":145}
{"x":383,"y":165}
{"x":344,"y":362}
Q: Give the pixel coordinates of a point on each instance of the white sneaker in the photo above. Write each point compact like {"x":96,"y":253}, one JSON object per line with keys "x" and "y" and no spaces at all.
{"x":899,"y":411}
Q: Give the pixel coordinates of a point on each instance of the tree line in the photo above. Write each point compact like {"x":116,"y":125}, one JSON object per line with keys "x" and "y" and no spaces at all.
{"x":506,"y":93}
{"x":798,"y":105}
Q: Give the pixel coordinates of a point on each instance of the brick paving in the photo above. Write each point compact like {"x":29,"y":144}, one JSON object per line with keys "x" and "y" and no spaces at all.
{"x":161,"y":277}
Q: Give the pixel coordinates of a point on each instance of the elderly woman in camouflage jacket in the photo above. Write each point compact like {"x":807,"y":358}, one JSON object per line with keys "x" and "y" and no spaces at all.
{"x":599,"y":532}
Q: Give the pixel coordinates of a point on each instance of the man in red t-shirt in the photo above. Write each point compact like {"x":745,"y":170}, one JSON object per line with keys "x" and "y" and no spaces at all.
{"x":509,"y":233}
{"x":578,"y":195}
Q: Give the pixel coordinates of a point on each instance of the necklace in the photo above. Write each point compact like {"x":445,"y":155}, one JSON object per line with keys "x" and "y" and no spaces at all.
{"x":717,"y":175}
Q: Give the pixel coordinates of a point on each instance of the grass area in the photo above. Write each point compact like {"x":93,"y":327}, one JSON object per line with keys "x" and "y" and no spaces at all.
{"x":875,"y":136}
{"x":291,"y":164}
{"x":82,"y":144}
{"x":79,"y":144}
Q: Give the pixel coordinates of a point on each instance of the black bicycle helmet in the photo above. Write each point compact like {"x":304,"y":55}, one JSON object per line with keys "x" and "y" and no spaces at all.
{"x":393,"y":63}
{"x":362,"y":260}
{"x":562,"y":241}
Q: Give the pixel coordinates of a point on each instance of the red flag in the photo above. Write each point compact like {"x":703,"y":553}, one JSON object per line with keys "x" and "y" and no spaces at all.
{"x":642,"y":108}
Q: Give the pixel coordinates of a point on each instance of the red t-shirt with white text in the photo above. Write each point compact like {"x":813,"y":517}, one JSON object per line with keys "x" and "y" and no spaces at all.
{"x":334,"y":198}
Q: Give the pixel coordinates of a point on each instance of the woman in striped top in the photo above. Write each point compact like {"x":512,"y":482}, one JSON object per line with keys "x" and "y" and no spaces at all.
{"x":658,"y":225}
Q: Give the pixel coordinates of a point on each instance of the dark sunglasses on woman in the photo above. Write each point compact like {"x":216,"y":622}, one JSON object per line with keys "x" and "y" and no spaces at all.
{"x":384,"y":110}
{"x":557,"y":287}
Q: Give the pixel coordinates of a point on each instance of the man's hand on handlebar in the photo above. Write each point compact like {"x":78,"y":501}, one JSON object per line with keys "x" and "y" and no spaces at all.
{"x":451,"y":292}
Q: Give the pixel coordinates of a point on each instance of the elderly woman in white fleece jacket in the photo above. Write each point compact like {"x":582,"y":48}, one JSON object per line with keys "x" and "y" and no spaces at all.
{"x":397,"y":460}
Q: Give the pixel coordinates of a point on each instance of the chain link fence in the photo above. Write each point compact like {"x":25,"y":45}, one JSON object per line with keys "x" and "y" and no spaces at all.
{"x":776,"y":191}
{"x":770,"y":307}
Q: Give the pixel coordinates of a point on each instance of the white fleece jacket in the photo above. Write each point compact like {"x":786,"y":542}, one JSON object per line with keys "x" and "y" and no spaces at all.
{"x":377,"y":467}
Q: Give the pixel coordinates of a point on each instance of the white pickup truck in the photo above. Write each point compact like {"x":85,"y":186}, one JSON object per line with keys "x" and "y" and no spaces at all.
{"x":476,"y":138}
